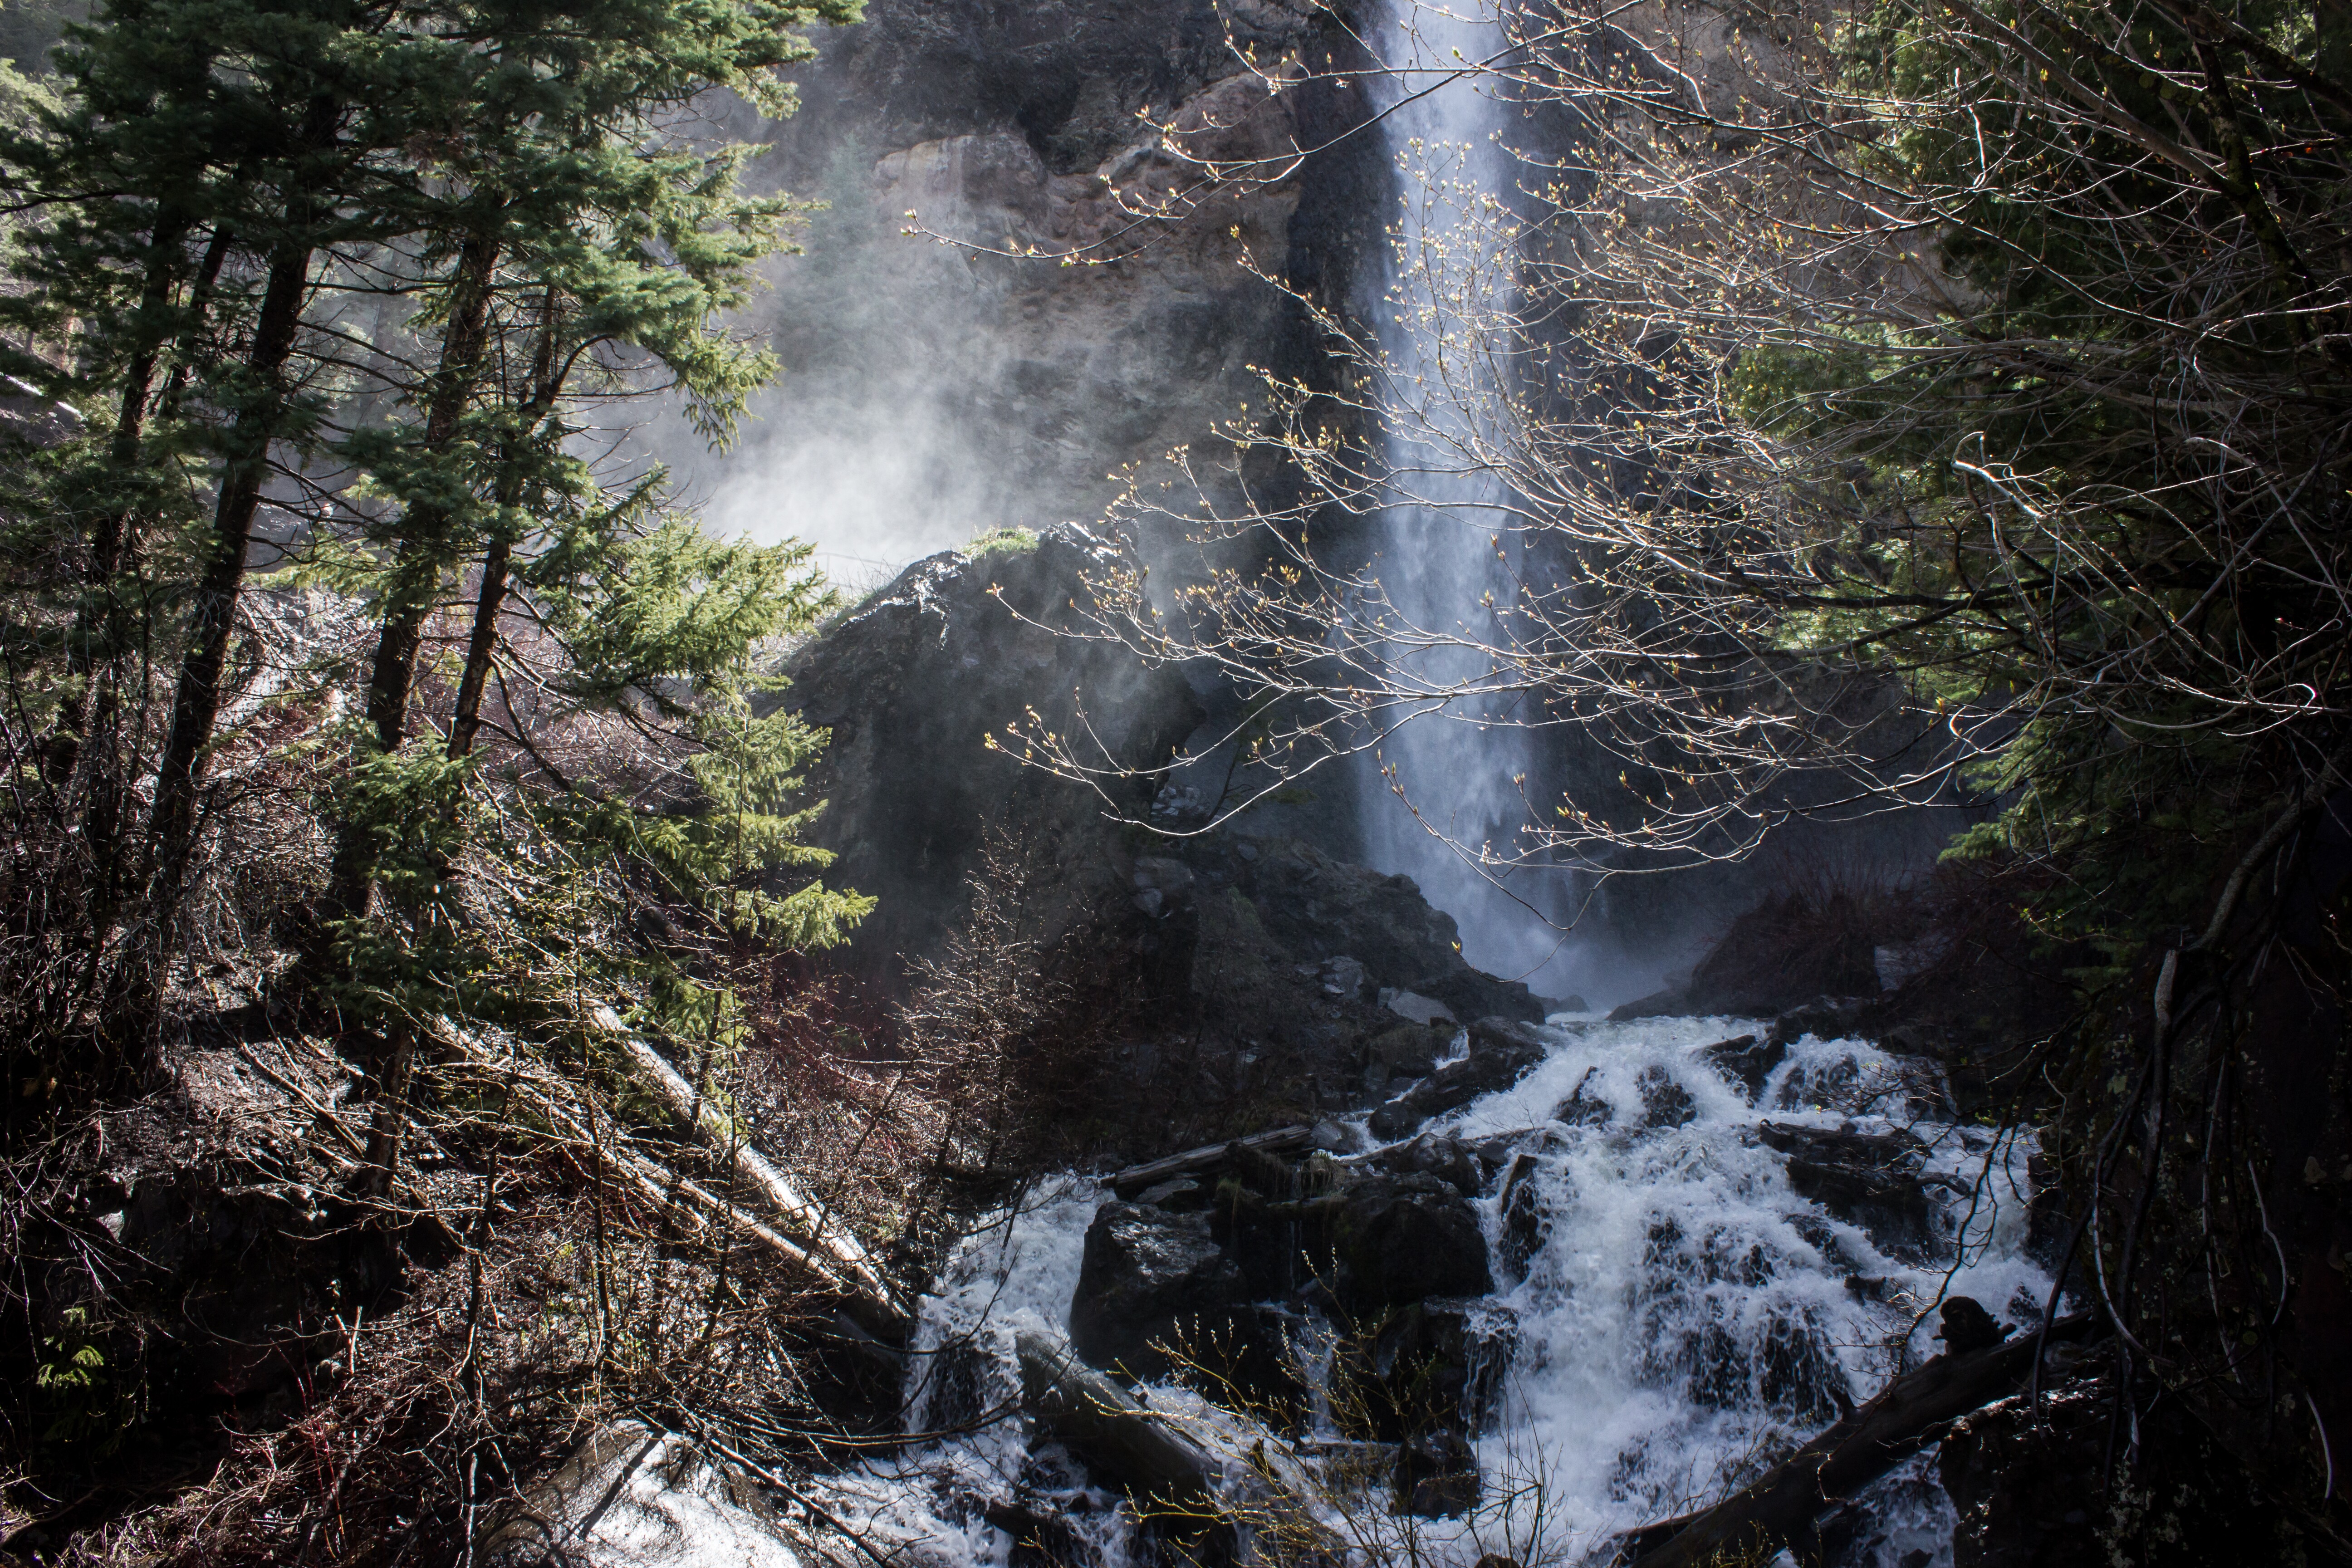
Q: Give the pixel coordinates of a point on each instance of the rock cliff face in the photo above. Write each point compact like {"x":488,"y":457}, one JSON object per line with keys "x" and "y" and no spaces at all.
{"x":1283,"y":980}
{"x":932,"y":391}
{"x":913,"y":682}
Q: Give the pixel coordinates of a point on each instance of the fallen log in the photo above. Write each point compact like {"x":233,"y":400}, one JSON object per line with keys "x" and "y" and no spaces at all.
{"x":1777,"y":1509}
{"x":775,"y":1190}
{"x":1131,"y":1183}
{"x":1178,"y":1480}
{"x":832,"y":1261}
{"x":1108,"y":1428}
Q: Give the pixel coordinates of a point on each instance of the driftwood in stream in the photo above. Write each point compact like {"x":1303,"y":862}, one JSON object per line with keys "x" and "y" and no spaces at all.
{"x":1179,"y":1482}
{"x":1911,"y":1412}
{"x":1103,"y":1424}
{"x":1132,"y":1181}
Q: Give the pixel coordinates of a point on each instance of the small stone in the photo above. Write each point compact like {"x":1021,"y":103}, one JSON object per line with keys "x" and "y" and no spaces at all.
{"x":1335,"y":1138}
{"x":1345,"y":977}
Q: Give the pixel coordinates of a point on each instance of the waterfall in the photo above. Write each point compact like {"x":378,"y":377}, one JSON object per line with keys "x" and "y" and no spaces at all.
{"x":1444,"y":791}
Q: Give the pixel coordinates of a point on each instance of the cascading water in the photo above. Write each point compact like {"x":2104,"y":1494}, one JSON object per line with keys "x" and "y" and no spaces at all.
{"x":1441,"y":800}
{"x":1672,"y":1312}
{"x":1671,"y":1315}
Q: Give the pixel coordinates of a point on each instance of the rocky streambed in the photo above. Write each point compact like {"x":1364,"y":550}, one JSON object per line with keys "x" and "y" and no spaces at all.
{"x":1575,"y":1279}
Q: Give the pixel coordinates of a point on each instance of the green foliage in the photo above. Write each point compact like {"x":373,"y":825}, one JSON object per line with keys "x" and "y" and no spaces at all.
{"x":2058,"y":501}
{"x":80,"y":1394}
{"x":1003,"y":542}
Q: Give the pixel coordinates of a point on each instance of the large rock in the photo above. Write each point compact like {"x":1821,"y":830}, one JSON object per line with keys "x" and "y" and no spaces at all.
{"x":1869,"y":1180}
{"x":1319,"y":908}
{"x":2034,"y":1488}
{"x":913,"y":685}
{"x":1150,"y":1280}
{"x":1502,"y":1052}
{"x":1399,"y":1240}
{"x":1433,"y":1365}
{"x":1746,"y":1061}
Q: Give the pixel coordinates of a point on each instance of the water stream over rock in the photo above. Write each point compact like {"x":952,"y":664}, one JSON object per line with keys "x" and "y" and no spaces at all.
{"x":1687,"y":1283}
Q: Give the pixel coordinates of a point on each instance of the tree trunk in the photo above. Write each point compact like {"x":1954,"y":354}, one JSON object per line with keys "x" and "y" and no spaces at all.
{"x":212,"y":623}
{"x":100,"y":613}
{"x":466,"y":717}
{"x":416,"y":573}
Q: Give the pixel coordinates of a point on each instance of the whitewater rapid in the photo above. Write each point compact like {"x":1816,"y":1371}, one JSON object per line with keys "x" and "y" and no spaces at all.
{"x":1671,"y":1316}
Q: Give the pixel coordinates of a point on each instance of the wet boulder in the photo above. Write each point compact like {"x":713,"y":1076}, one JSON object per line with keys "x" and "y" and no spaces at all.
{"x":1583,"y":1108}
{"x":1448,"y":1159}
{"x":1665,"y":1104}
{"x":1823,"y":1017}
{"x":1872,"y":1180}
{"x":1392,"y":1240}
{"x":1149,"y":1279}
{"x":1502,"y":1052}
{"x":1966,"y":1326}
{"x":1438,"y":1476}
{"x":1526,"y":1217}
{"x":1747,"y":1061}
{"x":1431,"y":1365}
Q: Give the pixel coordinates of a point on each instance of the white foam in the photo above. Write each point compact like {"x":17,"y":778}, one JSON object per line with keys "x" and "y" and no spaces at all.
{"x":1685,"y":1319}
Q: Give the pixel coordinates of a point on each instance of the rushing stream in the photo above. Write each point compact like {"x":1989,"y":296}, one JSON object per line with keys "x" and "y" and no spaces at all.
{"x":1671,"y":1316}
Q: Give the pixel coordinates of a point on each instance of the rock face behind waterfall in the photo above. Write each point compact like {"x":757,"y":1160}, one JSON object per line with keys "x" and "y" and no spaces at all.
{"x":1265,"y":980}
{"x":935,"y":391}
{"x":915,"y":681}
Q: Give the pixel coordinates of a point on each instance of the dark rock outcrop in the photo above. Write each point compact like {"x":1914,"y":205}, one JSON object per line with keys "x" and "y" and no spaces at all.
{"x":1868,"y":1179}
{"x":1501,"y":1053}
{"x":1321,"y":910}
{"x":914,"y":684}
{"x":2034,"y":1489}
